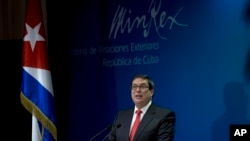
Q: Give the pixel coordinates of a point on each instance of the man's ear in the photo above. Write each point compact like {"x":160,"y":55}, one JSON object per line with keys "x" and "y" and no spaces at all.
{"x":152,"y":92}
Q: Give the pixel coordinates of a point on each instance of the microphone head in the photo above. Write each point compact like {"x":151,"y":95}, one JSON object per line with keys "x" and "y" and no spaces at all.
{"x":118,"y":125}
{"x":108,"y":127}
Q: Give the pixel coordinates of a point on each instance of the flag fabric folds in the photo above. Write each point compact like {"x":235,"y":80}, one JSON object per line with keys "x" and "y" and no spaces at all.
{"x":37,"y":94}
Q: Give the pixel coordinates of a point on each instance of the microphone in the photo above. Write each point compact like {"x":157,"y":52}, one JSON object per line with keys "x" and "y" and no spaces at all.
{"x":117,"y":126}
{"x":97,"y":134}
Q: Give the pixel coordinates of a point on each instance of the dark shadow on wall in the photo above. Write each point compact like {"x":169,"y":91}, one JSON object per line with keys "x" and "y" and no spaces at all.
{"x":236,"y":109}
{"x":15,"y":119}
{"x":246,"y":12}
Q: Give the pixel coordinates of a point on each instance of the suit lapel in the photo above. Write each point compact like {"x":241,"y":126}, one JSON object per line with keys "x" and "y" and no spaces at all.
{"x":127,"y":122}
{"x":144,"y":122}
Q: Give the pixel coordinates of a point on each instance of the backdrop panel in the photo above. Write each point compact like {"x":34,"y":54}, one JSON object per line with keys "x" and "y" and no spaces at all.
{"x":196,"y":51}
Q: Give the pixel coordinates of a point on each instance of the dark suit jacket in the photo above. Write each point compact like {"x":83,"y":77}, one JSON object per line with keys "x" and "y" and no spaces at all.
{"x":158,"y":124}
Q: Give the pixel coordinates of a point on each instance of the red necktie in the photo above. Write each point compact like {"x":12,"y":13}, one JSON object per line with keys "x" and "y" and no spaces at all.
{"x":136,"y":124}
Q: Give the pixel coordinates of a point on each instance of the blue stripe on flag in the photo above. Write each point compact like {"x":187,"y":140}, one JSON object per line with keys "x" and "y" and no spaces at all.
{"x":34,"y":91}
{"x":40,"y":102}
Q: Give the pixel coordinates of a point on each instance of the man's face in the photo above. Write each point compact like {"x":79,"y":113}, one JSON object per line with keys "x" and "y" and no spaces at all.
{"x":140,"y":92}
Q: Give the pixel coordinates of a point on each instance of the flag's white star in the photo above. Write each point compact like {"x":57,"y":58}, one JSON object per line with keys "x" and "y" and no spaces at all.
{"x":33,"y":35}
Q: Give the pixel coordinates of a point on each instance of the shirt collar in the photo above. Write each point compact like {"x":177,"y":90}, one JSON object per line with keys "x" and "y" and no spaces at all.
{"x":145,"y":108}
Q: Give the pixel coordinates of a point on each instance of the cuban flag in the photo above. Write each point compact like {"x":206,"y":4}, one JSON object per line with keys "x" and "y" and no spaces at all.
{"x":36,"y":86}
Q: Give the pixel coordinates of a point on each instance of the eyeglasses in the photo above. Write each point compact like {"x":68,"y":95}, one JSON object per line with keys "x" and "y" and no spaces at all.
{"x":141,"y":87}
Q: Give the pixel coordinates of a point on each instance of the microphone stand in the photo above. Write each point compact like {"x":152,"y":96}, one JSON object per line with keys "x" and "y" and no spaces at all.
{"x":117,"y":126}
{"x":107,"y":128}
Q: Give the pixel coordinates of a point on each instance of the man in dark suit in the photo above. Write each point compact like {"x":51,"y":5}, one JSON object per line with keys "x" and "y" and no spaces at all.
{"x":155,"y":124}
